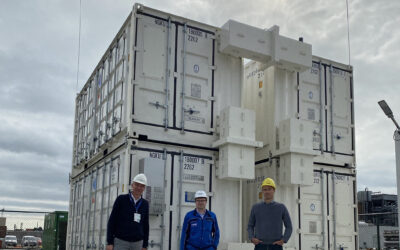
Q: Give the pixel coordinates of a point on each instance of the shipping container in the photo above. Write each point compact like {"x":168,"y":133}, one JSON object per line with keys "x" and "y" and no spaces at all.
{"x":171,"y":98}
{"x":93,"y":193}
{"x":159,"y":74}
{"x":55,"y":231}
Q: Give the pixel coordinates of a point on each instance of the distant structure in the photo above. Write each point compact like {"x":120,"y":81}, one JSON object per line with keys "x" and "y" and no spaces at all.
{"x":377,"y":208}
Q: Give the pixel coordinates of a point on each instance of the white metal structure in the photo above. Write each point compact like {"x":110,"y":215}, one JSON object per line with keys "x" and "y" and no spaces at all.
{"x":152,"y":105}
{"x":306,"y":123}
{"x":169,"y":99}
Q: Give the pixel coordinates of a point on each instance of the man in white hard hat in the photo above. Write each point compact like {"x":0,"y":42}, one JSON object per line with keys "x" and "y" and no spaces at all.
{"x":267,"y":219}
{"x":128,"y":226}
{"x":200,"y":228}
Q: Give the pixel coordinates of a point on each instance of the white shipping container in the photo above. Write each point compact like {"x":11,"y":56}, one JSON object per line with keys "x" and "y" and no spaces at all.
{"x":183,"y":171}
{"x":165,"y":100}
{"x":162,"y":73}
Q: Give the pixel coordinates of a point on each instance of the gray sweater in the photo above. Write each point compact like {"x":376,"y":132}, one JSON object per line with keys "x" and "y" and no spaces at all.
{"x":266,"y":222}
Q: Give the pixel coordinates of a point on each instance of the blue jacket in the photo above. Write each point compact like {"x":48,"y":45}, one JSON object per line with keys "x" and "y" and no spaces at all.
{"x":198,"y":233}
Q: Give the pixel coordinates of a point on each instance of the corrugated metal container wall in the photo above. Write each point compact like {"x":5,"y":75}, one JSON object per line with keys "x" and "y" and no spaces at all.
{"x":94,"y":191}
{"x":151,"y":105}
{"x":318,"y":187}
{"x":159,"y":75}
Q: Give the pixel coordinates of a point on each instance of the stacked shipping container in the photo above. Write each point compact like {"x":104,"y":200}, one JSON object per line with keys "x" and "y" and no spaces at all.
{"x":152,"y":105}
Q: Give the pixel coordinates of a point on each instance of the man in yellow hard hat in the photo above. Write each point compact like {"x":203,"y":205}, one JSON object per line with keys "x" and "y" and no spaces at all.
{"x":267,"y":219}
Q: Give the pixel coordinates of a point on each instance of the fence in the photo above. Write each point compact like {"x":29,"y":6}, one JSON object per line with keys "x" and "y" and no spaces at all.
{"x":378,"y":231}
{"x":23,"y":223}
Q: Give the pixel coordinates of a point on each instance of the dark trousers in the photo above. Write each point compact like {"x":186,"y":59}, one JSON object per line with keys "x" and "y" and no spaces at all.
{"x":268,"y":247}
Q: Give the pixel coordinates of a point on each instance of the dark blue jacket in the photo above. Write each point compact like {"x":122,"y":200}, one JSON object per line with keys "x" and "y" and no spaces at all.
{"x":198,"y":233}
{"x":121,"y":223}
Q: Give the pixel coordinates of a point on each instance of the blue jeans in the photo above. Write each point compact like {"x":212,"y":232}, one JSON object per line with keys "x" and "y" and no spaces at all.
{"x":268,"y":247}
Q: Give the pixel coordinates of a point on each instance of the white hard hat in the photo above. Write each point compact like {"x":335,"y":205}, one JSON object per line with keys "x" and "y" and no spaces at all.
{"x":200,"y":194}
{"x":140,"y":178}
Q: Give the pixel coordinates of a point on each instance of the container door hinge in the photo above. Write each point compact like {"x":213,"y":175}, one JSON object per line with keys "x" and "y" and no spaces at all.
{"x":212,"y":67}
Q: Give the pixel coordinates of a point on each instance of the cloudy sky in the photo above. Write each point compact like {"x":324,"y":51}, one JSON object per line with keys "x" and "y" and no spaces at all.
{"x":38,"y":70}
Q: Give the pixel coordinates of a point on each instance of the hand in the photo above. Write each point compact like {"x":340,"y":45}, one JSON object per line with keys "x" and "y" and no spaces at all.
{"x":279,"y":242}
{"x":256,"y":241}
{"x":110,"y":247}
{"x":144,"y":248}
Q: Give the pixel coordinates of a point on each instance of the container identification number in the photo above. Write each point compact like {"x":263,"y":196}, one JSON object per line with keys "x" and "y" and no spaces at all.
{"x":188,"y":166}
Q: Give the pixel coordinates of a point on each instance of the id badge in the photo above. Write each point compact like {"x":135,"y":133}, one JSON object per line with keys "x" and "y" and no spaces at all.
{"x":136,"y":217}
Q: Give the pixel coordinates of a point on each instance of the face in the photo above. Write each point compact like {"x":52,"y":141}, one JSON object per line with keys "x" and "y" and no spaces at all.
{"x":201,"y":203}
{"x":268,"y":192}
{"x":137,"y":189}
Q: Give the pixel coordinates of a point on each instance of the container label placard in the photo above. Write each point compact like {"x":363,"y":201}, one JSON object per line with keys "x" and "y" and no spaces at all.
{"x":195,"y":90}
{"x":195,"y":119}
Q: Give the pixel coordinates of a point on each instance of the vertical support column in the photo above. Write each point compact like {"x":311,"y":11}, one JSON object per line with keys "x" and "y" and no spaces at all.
{"x":331,"y":107}
{"x":323,"y":208}
{"x":167,"y":75}
{"x":88,"y":213}
{"x":321,"y":112}
{"x":81,"y":244}
{"x":180,"y":196}
{"x":183,"y":81}
{"x":334,"y":208}
{"x":397,"y":148}
{"x":101,"y":246}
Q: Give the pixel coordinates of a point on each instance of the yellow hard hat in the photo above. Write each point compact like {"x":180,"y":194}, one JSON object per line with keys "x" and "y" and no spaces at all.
{"x":268,"y":182}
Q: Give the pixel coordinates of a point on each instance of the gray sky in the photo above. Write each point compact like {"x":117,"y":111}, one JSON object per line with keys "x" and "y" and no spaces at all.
{"x":38,"y":65}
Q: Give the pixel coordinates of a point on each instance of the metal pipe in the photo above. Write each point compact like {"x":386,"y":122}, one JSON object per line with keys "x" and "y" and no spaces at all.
{"x":89,"y":212}
{"x":334,"y":208}
{"x":180,"y":196}
{"x":183,"y":81}
{"x":81,"y":244}
{"x":94,"y":209}
{"x":323,"y":208}
{"x":102,"y":205}
{"x":321,"y":112}
{"x":167,"y":74}
{"x":396,"y":138}
{"x":331,"y":95}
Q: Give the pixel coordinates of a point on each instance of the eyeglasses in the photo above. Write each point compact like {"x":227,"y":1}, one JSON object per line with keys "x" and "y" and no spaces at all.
{"x":201,"y":200}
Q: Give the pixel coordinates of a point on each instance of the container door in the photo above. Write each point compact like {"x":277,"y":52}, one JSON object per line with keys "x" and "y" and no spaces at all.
{"x":342,"y":211}
{"x":313,"y":214}
{"x":151,"y":77}
{"x":310,"y":98}
{"x":194,"y":173}
{"x":195,"y":61}
{"x":340,"y":135}
{"x":156,"y":165}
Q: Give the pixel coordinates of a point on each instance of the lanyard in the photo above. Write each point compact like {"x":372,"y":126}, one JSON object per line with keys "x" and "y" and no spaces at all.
{"x":137,"y":205}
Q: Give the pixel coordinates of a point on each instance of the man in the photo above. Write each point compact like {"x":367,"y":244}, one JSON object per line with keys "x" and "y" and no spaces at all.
{"x":128,"y":226}
{"x":266,"y":219}
{"x":200,"y":228}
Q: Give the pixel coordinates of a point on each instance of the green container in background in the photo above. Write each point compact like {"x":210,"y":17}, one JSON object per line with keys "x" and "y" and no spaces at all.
{"x":55,"y":231}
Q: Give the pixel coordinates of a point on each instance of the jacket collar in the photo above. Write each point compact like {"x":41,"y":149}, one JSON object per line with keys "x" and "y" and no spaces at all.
{"x":197,"y":214}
